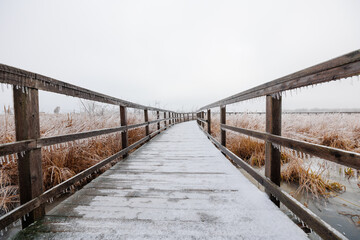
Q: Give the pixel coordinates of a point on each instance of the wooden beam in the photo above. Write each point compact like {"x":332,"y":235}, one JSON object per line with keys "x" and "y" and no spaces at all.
{"x":124,"y":134}
{"x":146,"y":116}
{"x":27,"y":126}
{"x":272,"y":154}
{"x":347,"y":158}
{"x":19,"y":77}
{"x":344,"y":66}
{"x":209,"y":121}
{"x":158,"y":117}
{"x":223,"y":121}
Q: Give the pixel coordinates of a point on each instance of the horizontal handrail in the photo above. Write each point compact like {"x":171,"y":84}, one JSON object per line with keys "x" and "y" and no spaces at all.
{"x":22,"y":78}
{"x":347,"y":158}
{"x":322,"y":228}
{"x":20,"y":146}
{"x":344,"y":66}
{"x":202,"y":120}
{"x":20,"y":211}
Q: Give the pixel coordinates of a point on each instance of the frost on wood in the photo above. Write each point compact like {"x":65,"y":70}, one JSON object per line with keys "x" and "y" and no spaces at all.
{"x":179,"y":186}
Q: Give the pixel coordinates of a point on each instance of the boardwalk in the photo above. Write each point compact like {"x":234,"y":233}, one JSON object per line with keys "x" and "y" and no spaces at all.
{"x":177,"y":186}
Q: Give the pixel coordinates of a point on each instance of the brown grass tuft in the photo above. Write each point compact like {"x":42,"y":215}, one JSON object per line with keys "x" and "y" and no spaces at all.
{"x":310,"y":181}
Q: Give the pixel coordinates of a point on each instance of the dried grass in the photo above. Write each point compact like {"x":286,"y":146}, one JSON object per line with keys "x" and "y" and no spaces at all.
{"x":310,"y":181}
{"x":63,"y":162}
{"x":332,"y":130}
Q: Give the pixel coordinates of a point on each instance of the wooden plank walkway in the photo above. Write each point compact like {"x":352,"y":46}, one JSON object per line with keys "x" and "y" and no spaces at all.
{"x":177,"y":186}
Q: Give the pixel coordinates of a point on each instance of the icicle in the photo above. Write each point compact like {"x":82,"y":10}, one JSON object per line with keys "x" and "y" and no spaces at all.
{"x":24,"y":217}
{"x":7,"y":159}
{"x":5,"y":229}
{"x":1,"y":232}
{"x":12,"y":158}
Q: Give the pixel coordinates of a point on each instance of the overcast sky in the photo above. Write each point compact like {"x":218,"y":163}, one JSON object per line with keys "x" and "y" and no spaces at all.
{"x":179,"y":55}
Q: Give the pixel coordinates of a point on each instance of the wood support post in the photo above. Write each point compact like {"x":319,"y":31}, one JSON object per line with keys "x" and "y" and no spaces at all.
{"x":209,"y":121}
{"x":146,"y":116}
{"x":124,"y":134}
{"x":158,"y":117}
{"x":272,"y":154}
{"x":223,"y":121}
{"x":203,"y":117}
{"x":27,"y":126}
{"x":169,"y":114}
{"x":165,"y":122}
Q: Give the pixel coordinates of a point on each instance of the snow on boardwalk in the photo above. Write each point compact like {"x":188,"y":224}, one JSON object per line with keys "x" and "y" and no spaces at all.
{"x":177,"y":186}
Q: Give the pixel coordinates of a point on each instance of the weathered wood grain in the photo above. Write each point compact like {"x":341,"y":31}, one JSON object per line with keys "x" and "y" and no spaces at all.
{"x":223,"y":121}
{"x":342,"y":67}
{"x":27,"y":126}
{"x":347,"y":158}
{"x":272,"y":154}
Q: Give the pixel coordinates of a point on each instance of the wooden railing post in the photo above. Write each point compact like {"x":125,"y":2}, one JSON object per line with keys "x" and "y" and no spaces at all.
{"x":223,"y":121}
{"x":209,"y":121}
{"x":146,"y":116}
{"x":124,"y":134}
{"x":158,"y":117}
{"x":169,"y":114}
{"x":202,"y":117}
{"x":165,"y":122}
{"x":27,"y":126}
{"x":272,"y":154}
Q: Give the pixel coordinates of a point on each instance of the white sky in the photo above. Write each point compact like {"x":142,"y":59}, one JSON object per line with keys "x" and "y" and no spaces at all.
{"x":179,"y":55}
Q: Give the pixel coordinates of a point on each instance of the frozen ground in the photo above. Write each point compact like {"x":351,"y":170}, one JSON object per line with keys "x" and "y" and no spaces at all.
{"x":178,"y":186}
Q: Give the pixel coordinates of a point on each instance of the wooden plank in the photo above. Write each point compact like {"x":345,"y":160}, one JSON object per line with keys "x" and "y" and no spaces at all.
{"x":27,"y":126}
{"x":223,"y":121}
{"x":22,"y":210}
{"x":158,"y":117}
{"x":146,"y":116}
{"x":19,"y":146}
{"x":124,"y":134}
{"x":212,"y":195}
{"x":202,"y":120}
{"x":344,"y":66}
{"x":272,"y":154}
{"x":322,"y":228}
{"x":22,"y":78}
{"x":15,"y":147}
{"x":209,"y":121}
{"x":347,"y":158}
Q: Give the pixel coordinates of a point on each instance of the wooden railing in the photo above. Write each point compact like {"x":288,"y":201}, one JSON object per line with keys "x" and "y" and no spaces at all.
{"x":28,"y":141}
{"x":342,"y":67}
